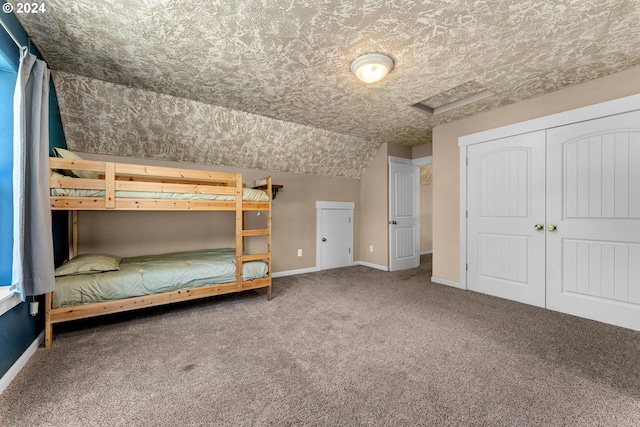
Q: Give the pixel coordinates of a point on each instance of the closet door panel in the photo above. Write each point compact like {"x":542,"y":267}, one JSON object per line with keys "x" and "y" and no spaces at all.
{"x":593,"y":198}
{"x":505,"y":201}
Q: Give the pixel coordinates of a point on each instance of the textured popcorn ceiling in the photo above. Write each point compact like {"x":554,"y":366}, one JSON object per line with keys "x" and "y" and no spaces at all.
{"x":102,"y":117}
{"x":289,"y":60}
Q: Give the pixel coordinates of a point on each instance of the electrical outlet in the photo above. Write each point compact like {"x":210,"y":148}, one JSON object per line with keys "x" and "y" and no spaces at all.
{"x":370,"y":248}
{"x":299,"y":252}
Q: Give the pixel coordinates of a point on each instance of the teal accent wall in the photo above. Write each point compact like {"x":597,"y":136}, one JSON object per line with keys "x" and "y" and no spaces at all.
{"x":17,"y":328}
{"x":17,"y":331}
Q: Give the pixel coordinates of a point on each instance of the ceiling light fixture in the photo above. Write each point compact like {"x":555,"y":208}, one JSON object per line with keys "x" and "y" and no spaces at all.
{"x":371,"y":67}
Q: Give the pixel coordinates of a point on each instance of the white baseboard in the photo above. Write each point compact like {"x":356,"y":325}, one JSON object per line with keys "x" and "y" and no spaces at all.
{"x":447,"y":282}
{"x":426,"y":253}
{"x":20,"y":363}
{"x":294,"y":272}
{"x":371,"y":265}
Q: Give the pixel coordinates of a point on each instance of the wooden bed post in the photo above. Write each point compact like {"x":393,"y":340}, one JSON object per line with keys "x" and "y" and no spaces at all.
{"x":74,"y":233}
{"x":270,"y":193}
{"x":48,"y":330}
{"x":110,"y":185}
{"x":244,"y":224}
{"x":239,"y":229}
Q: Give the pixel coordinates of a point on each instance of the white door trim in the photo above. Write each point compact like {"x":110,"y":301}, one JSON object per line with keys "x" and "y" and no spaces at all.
{"x":335,"y":205}
{"x":463,"y":217}
{"x":320,"y":205}
{"x":423,"y":161}
{"x":401,"y":160}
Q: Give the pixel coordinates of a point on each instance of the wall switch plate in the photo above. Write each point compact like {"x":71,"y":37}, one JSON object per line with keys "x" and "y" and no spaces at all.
{"x":299,"y":252}
{"x":370,"y":248}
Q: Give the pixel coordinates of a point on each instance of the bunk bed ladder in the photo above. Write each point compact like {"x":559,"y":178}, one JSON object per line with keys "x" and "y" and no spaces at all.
{"x":261,"y":232}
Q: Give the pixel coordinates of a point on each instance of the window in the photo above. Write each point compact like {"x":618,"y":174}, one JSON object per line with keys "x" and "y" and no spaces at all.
{"x":7,"y":84}
{"x":9,"y":57}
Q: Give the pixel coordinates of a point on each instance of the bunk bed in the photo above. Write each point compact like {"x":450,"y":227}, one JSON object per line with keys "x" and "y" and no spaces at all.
{"x":77,"y":185}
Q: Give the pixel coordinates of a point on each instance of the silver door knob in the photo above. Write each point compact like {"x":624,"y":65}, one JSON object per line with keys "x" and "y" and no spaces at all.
{"x":324,"y":239}
{"x":393,"y":222}
{"x":552,"y":227}
{"x":538,"y":227}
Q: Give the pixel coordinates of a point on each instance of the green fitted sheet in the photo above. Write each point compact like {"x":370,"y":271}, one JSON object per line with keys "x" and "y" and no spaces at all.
{"x":151,"y":274}
{"x":248,"y":195}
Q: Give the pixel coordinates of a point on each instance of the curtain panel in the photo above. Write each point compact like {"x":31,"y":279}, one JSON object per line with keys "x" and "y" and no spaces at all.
{"x":33,"y":268}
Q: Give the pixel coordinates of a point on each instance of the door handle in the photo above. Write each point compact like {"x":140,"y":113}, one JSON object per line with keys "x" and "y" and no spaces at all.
{"x":552,"y":227}
{"x":324,"y":239}
{"x":393,"y":222}
{"x":538,"y":227}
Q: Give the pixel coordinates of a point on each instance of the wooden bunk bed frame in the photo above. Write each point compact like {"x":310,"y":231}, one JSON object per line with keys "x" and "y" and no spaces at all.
{"x":128,"y":177}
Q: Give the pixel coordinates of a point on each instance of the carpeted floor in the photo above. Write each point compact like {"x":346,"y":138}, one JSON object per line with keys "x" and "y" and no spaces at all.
{"x":350,"y":346}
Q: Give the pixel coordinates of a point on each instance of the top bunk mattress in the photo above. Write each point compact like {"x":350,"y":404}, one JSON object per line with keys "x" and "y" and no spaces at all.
{"x":248,"y":195}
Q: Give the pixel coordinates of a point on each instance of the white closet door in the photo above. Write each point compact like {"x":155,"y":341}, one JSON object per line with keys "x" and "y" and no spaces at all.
{"x":505,"y":201}
{"x":593,"y":198}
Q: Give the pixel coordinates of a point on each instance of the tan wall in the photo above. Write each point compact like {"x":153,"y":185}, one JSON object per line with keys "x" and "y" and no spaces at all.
{"x":423,"y":150}
{"x":426,"y":218}
{"x":446,"y":154}
{"x":374,"y":210}
{"x":294,"y":220}
{"x":399,"y":151}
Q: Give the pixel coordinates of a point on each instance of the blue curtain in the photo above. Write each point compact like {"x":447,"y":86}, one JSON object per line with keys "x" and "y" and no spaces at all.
{"x":32,"y":271}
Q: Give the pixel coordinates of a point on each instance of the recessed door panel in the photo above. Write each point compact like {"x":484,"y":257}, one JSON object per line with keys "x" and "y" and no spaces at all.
{"x":504,"y":257}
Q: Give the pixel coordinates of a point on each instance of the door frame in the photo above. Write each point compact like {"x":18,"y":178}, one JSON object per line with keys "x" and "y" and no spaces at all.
{"x":322,"y":205}
{"x":595,"y":111}
{"x":422,"y":161}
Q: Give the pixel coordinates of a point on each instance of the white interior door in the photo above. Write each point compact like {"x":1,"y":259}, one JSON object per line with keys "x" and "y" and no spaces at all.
{"x":506,"y":218}
{"x":336,"y":238}
{"x":593,"y":196}
{"x":404,"y":214}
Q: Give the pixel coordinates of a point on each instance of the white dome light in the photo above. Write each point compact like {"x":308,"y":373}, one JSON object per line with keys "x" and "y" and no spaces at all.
{"x":371,"y":67}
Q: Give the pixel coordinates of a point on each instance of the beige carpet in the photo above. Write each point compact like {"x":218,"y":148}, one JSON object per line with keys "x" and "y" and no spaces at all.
{"x":351,"y":346}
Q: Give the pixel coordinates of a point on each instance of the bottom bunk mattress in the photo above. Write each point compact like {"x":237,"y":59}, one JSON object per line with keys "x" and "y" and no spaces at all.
{"x":90,"y":278}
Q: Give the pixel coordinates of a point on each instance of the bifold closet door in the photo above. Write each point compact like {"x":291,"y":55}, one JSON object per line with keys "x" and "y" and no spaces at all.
{"x":506,"y":218}
{"x":593,"y":208}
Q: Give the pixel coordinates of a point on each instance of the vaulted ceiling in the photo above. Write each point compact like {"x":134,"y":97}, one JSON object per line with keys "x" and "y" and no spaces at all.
{"x":289,"y":60}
